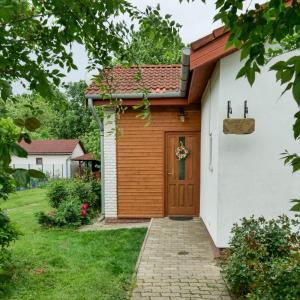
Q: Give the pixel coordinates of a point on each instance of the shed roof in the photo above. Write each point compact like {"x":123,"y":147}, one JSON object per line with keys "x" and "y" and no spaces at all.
{"x":50,"y":146}
{"x":155,"y":78}
{"x":85,"y":157}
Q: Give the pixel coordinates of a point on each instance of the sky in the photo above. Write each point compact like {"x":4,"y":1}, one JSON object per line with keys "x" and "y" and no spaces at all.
{"x":195,"y":17}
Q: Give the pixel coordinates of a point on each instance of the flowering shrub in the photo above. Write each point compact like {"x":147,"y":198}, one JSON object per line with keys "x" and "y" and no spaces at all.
{"x":75,"y":203}
{"x":57,"y":192}
{"x":263,"y":260}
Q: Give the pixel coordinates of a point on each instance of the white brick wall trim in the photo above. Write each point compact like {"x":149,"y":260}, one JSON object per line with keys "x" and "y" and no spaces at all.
{"x":110,"y":164}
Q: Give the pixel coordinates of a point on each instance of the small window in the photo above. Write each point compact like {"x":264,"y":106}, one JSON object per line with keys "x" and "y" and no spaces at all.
{"x":39,"y":161}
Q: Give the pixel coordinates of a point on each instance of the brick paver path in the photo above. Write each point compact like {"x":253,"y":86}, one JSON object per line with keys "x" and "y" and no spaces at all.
{"x":177,"y":263}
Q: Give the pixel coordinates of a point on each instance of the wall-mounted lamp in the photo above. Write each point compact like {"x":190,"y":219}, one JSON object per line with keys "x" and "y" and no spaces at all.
{"x":182,"y":114}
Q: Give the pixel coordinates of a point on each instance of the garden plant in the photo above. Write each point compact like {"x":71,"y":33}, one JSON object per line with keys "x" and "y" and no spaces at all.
{"x":75,"y":202}
{"x":263,"y":260}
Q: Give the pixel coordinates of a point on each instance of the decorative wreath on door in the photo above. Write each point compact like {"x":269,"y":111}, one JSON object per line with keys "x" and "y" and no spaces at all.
{"x":182,"y":152}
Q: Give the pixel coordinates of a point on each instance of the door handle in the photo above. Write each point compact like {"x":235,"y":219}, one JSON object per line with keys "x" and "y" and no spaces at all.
{"x":170,"y":173}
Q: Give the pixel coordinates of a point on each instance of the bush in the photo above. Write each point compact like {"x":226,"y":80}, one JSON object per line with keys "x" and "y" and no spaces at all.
{"x":46,"y":220}
{"x":8,"y":233}
{"x":263,"y":260}
{"x":69,"y":213}
{"x":76,"y":202}
{"x":57,"y":192}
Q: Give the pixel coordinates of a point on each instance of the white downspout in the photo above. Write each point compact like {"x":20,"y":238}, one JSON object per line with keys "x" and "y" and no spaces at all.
{"x":99,"y":123}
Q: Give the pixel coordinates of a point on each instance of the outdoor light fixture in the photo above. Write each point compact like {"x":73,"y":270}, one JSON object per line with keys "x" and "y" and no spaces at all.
{"x":182,"y":114}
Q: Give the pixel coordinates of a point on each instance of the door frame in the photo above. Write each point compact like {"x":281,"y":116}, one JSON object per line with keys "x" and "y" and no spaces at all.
{"x":165,"y":190}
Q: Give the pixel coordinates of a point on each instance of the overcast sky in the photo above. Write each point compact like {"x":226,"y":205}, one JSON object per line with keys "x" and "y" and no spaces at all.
{"x":196,"y":19}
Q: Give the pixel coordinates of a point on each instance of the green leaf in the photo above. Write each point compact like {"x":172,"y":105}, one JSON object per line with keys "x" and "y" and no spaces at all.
{"x":242,"y":71}
{"x":296,"y":207}
{"x":288,"y":87}
{"x":19,"y":151}
{"x":32,"y":124}
{"x":296,"y":126}
{"x":278,"y":66}
{"x":251,"y":76}
{"x":36,"y":173}
{"x":286,"y":75}
{"x":296,"y":89}
{"x":295,"y":164}
{"x":26,"y":137}
{"x":5,"y":89}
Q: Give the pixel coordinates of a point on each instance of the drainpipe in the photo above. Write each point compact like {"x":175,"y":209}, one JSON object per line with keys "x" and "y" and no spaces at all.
{"x":184,"y":77}
{"x":99,"y":123}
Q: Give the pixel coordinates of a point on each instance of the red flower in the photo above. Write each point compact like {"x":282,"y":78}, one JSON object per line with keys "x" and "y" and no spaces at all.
{"x":83,"y":209}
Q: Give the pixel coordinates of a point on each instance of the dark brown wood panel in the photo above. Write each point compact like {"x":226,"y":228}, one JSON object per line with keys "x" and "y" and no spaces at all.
{"x":183,"y":193}
{"x":140,"y":159}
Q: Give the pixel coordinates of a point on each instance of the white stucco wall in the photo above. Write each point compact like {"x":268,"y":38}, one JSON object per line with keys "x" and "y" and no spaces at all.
{"x":209,"y":154}
{"x":251,"y":177}
{"x":53,"y":165}
{"x":110,"y":164}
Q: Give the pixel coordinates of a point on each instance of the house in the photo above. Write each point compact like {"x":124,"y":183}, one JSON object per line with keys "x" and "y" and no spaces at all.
{"x":182,"y":163}
{"x":53,"y":157}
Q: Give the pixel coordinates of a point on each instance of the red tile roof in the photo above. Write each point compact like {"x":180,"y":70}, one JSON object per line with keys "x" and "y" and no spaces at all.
{"x":50,"y":146}
{"x":155,"y":78}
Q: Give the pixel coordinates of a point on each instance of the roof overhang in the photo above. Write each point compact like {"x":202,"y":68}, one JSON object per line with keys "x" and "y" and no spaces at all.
{"x":49,"y":153}
{"x":205,"y":53}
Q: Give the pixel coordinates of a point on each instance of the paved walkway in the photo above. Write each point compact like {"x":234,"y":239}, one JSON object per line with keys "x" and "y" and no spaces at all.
{"x":177,"y":263}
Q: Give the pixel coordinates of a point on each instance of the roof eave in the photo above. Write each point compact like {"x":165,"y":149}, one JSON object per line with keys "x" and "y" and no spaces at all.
{"x":49,"y":153}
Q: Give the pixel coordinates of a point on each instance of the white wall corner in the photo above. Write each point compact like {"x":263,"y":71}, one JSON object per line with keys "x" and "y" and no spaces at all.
{"x":110,"y":163}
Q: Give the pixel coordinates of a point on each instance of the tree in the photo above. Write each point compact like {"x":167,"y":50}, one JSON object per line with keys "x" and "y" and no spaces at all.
{"x":149,"y":47}
{"x":276,"y":22}
{"x":74,"y":120}
{"x":36,"y":37}
{"x":34,"y":106}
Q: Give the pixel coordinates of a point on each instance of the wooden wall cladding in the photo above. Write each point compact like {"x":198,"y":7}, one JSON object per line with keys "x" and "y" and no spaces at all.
{"x":140,"y":159}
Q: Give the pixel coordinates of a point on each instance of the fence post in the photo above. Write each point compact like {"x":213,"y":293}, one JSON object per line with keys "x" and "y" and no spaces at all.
{"x":52,"y":171}
{"x":62,"y":171}
{"x":29,"y":177}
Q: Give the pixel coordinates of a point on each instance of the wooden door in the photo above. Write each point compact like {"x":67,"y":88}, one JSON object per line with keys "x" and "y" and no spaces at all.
{"x":182,"y":175}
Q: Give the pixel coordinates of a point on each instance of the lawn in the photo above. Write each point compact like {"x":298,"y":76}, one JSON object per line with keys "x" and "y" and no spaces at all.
{"x":64,"y":263}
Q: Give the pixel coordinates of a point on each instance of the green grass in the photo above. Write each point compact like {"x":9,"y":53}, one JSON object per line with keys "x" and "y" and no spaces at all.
{"x":64,"y":263}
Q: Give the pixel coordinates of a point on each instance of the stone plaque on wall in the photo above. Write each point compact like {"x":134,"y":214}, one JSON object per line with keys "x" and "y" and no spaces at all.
{"x":239,"y":126}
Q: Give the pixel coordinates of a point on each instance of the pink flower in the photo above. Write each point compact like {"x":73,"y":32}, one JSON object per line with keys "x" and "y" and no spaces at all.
{"x":83,"y":209}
